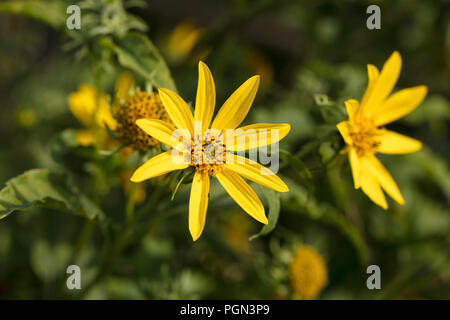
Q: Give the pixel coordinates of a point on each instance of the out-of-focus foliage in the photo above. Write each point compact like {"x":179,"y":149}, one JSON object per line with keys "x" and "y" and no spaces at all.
{"x":311,"y":56}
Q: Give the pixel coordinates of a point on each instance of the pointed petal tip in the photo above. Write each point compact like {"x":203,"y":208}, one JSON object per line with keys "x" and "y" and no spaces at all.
{"x":396,"y":54}
{"x":195,"y":236}
{"x":264,"y":221}
{"x":419,"y":146}
{"x":288,"y":127}
{"x":203,"y":66}
{"x":282,"y":187}
{"x":423,"y":90}
{"x":135,"y":179}
{"x":395,"y":60}
{"x":256,"y":79}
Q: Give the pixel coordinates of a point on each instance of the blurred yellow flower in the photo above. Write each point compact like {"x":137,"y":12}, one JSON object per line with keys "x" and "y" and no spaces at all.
{"x":26,"y":118}
{"x":308,"y":273}
{"x":92,"y":110}
{"x":365,"y":138}
{"x":182,"y":41}
{"x":229,"y":116}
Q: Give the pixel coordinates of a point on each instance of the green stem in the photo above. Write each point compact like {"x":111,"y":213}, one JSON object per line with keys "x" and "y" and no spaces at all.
{"x":83,"y":238}
{"x":123,"y":239}
{"x":129,"y":211}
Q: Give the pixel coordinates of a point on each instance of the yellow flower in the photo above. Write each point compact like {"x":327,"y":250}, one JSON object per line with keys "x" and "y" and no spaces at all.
{"x":182,"y":40}
{"x":227,"y":172}
{"x":91,"y":108}
{"x":139,"y":105}
{"x":26,"y":118}
{"x":364,"y":137}
{"x":308,"y":273}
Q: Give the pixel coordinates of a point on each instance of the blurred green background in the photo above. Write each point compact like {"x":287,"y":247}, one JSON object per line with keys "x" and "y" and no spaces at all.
{"x":300,"y":49}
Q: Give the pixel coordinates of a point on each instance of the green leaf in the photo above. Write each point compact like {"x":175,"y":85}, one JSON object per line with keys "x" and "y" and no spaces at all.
{"x":40,"y":187}
{"x":297,"y":164}
{"x":331,"y":112}
{"x":273,"y":200}
{"x":136,"y":52}
{"x":52,"y":12}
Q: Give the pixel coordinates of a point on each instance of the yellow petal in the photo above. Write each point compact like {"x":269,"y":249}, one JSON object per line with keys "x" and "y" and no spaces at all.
{"x":383,"y":85}
{"x":384,"y":178}
{"x":85,"y":137}
{"x":87,"y":105}
{"x":234,"y":110}
{"x":182,"y":40}
{"x":400,"y":104}
{"x":158,"y":165}
{"x":177,"y":109}
{"x":343,"y":129}
{"x":370,"y":186}
{"x":198,"y":203}
{"x":243,"y":194}
{"x":104,"y":115}
{"x":352,"y":106}
{"x":82,"y":104}
{"x":257,"y":173}
{"x":206,"y":96}
{"x":395,"y":143}
{"x":160,"y":130}
{"x":123,"y":85}
{"x":355,"y":165}
{"x":255,"y":135}
{"x":373,"y":75}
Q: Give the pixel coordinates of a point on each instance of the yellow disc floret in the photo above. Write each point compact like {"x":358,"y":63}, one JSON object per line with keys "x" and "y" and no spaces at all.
{"x":364,"y":135}
{"x":208,"y":154}
{"x":139,"y":106}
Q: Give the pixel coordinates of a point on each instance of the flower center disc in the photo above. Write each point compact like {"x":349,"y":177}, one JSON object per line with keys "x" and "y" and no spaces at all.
{"x":364,"y":134}
{"x":207,"y":155}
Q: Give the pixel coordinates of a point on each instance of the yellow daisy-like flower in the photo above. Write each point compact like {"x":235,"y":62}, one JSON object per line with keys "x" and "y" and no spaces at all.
{"x":308,"y":273}
{"x":364,"y":135}
{"x":92,"y":110}
{"x":228,"y":173}
{"x":182,"y":40}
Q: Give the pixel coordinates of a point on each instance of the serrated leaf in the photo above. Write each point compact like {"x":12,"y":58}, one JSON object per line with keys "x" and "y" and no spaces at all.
{"x":273,"y":201}
{"x":136,"y":52}
{"x":40,"y":187}
{"x":52,"y":12}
